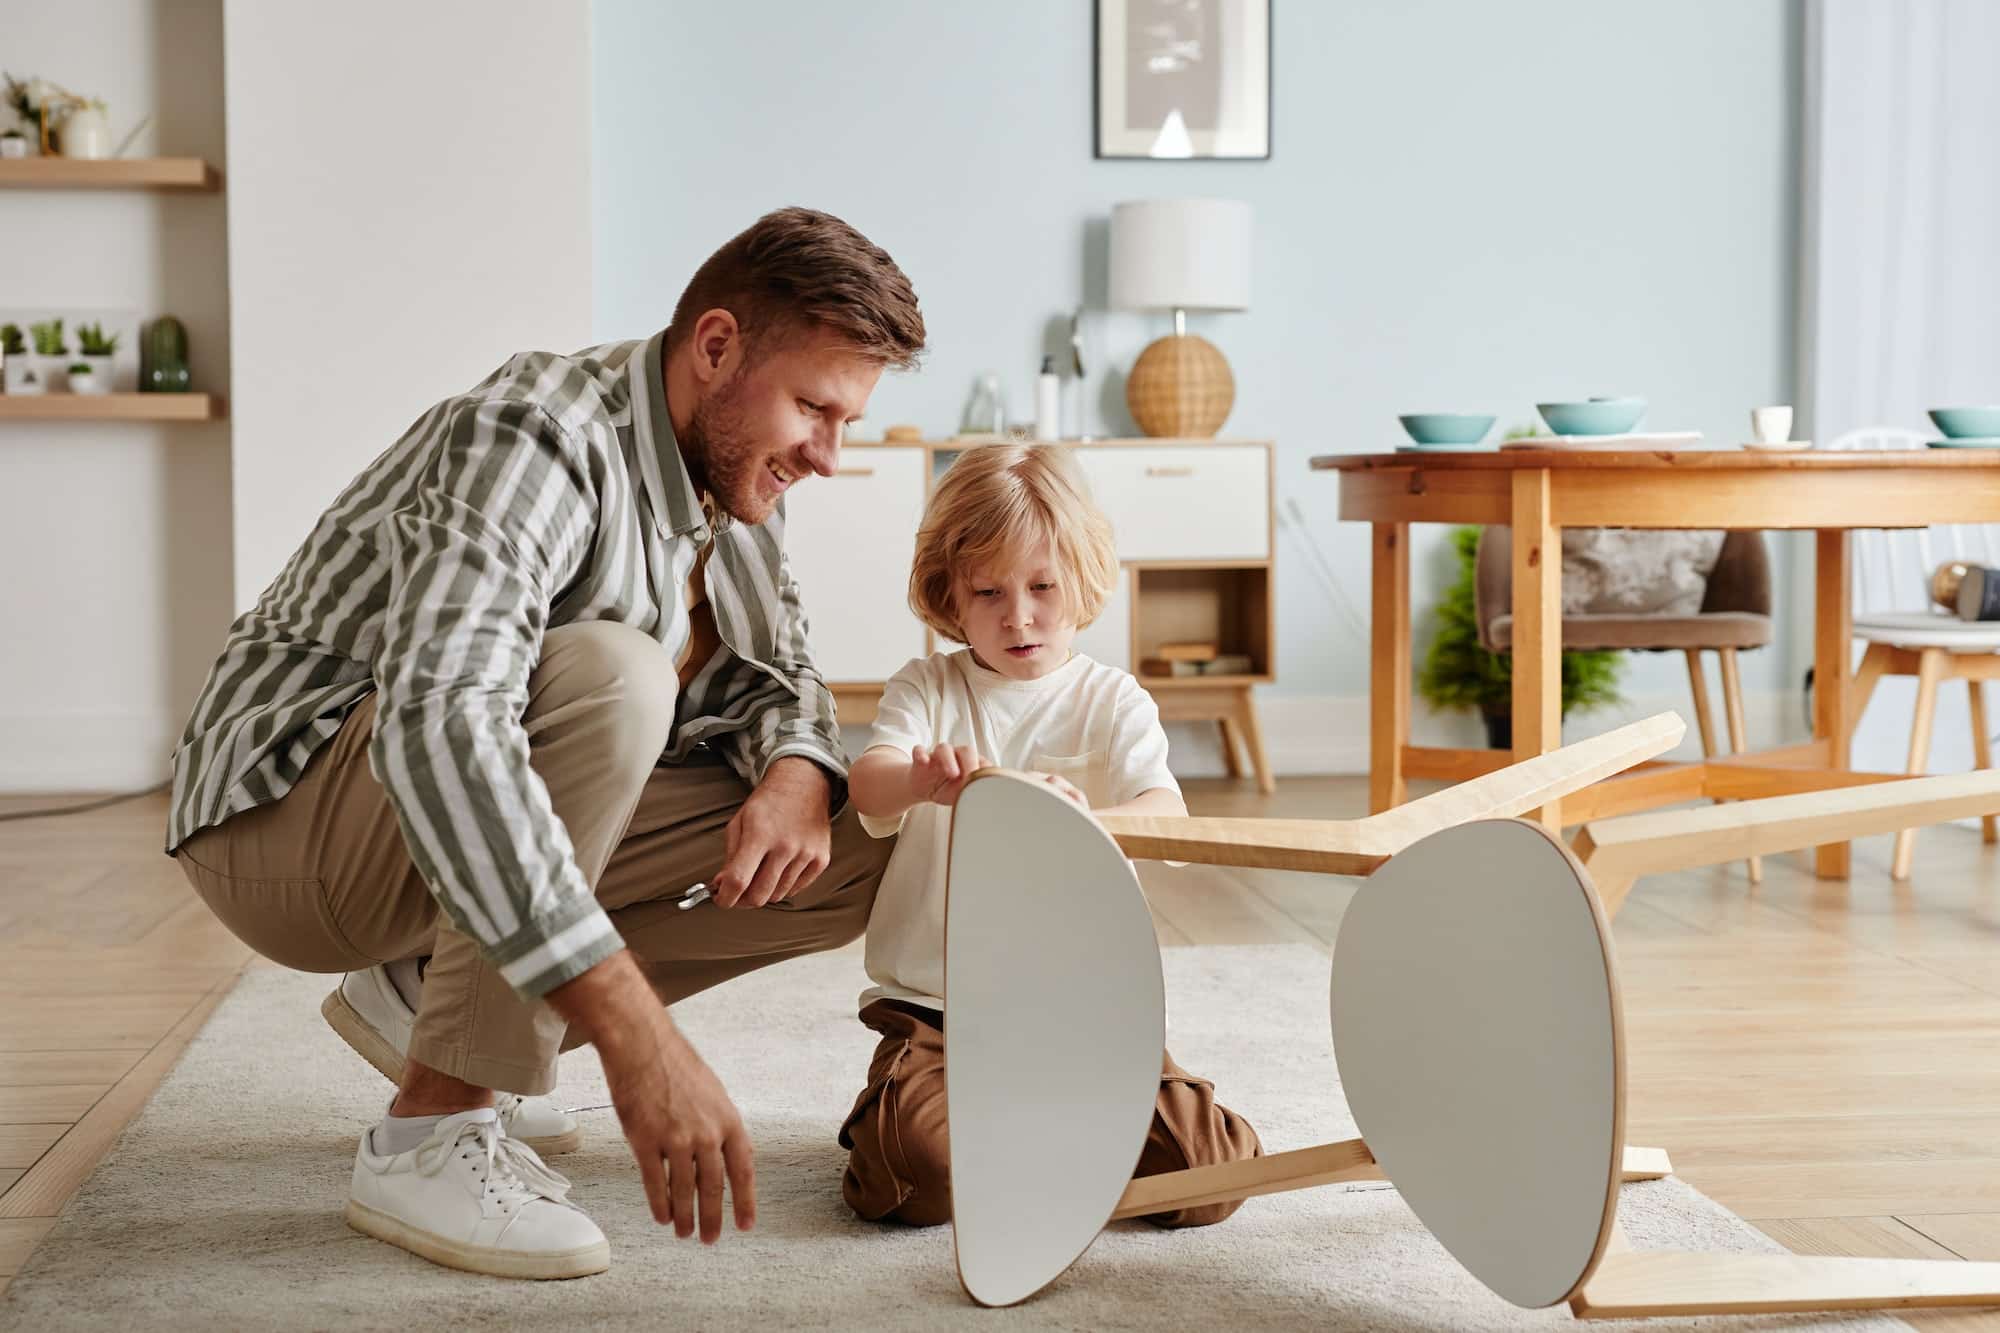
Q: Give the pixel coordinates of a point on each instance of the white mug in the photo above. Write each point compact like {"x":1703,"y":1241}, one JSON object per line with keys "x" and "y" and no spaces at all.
{"x":1771,"y":425}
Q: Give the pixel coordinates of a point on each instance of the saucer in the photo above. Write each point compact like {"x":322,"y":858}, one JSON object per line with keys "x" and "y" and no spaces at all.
{"x":1968,"y":442}
{"x":1777,"y":447}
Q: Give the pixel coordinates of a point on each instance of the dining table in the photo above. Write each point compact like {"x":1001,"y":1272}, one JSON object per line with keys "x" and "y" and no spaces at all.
{"x":1539,"y":491}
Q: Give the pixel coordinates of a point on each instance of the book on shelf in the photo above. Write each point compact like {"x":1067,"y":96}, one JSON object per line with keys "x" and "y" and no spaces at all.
{"x":1221,"y":664}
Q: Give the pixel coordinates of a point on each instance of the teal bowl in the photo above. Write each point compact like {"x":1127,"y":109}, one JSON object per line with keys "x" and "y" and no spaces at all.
{"x":1599,"y":416}
{"x":1967,"y":423}
{"x":1446,"y":427}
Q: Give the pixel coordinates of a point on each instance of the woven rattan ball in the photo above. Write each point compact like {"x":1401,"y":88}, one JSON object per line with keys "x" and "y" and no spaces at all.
{"x":1181,"y":386}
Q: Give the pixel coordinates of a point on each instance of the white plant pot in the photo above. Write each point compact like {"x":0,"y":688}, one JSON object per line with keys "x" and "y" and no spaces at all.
{"x":24,"y":375}
{"x":101,"y":371}
{"x":14,"y":145}
{"x":88,"y":383}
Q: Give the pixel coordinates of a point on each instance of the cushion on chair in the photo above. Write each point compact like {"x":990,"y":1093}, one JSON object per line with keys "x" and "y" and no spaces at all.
{"x":1719,"y":629}
{"x":1633,"y":571}
{"x":1923,"y":629}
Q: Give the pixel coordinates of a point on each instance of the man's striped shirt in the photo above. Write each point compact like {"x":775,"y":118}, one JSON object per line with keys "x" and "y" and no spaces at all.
{"x":553,"y":492}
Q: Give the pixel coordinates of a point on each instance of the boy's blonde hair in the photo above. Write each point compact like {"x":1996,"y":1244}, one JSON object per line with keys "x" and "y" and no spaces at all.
{"x":1001,"y":502}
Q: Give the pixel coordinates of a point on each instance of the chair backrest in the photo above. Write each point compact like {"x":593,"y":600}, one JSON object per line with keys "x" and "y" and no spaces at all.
{"x":1892,"y":568}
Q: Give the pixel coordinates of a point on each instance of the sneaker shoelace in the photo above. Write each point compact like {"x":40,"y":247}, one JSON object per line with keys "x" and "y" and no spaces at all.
{"x":508,"y":1166}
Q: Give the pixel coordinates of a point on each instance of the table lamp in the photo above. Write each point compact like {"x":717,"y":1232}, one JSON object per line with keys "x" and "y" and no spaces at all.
{"x":1180,"y":255}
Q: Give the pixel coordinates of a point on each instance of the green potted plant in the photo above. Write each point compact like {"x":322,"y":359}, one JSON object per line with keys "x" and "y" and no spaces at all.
{"x":51,"y":349}
{"x":83,"y":378}
{"x":18,"y":372}
{"x":96,"y":347}
{"x":1460,"y":674}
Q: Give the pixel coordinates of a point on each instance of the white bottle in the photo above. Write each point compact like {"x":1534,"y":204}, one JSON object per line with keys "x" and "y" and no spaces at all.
{"x":1048,"y":402}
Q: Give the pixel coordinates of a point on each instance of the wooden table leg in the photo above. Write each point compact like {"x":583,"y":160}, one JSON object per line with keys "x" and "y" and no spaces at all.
{"x":1833,"y":652}
{"x":1537,"y":627}
{"x":1389,"y":667}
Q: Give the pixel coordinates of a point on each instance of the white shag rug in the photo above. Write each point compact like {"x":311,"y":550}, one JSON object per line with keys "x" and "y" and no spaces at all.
{"x":221,"y":1206}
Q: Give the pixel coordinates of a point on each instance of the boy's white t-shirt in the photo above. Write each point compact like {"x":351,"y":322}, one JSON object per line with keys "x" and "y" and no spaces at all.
{"x":1087,"y":722}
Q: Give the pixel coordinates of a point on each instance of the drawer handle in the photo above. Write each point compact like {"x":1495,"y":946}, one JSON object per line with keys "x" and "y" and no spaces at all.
{"x":1178,"y":470}
{"x":854,"y":472}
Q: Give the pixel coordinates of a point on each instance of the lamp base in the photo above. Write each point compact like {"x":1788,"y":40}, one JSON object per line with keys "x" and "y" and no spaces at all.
{"x":1180,"y":386}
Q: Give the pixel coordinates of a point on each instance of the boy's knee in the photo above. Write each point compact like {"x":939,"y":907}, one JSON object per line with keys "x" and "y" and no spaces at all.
{"x":1190,"y":1128}
{"x":899,"y":1158}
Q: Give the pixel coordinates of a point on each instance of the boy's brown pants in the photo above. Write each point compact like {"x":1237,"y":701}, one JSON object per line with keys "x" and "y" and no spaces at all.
{"x":899,"y":1163}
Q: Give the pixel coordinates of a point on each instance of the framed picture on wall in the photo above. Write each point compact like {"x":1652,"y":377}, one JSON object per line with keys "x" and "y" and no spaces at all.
{"x":1183,"y":78}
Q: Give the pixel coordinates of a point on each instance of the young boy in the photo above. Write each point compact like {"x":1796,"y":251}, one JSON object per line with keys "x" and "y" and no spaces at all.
{"x":1012,"y":559}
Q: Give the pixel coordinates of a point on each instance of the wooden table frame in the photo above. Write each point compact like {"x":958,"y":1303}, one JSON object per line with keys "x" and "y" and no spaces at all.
{"x":1539,"y":492}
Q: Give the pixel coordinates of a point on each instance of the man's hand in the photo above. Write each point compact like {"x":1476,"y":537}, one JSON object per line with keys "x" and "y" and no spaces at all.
{"x":939,"y":772}
{"x":781,"y":839}
{"x":684,"y":1131}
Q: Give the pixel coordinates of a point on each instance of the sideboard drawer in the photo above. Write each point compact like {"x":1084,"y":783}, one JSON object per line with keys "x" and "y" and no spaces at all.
{"x":849,"y":539}
{"x":1190,"y":502}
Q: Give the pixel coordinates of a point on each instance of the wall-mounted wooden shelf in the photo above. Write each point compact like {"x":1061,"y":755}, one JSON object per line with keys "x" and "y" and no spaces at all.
{"x":119,"y":173}
{"x":112,"y":407}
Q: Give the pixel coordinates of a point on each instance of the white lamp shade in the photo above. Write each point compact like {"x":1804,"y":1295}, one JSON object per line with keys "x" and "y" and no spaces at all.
{"x":1180,"y":254}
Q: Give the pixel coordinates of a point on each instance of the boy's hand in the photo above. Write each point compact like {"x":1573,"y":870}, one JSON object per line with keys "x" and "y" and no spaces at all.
{"x":939,"y":772}
{"x":1066,"y":788}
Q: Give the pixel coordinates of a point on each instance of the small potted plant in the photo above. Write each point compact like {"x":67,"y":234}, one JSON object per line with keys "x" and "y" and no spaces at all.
{"x":50,"y":347}
{"x":22,"y":375}
{"x":1459,"y":673}
{"x":83,"y":378}
{"x":96,"y":348}
{"x":13,"y":143}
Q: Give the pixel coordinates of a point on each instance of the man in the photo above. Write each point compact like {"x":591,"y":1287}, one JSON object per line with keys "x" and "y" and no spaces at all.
{"x":539,"y":671}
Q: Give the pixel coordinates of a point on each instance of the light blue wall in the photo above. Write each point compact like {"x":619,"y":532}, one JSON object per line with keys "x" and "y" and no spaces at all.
{"x":1469,"y":205}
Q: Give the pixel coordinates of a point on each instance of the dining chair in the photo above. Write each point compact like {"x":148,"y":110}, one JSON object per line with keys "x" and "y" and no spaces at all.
{"x":1906,"y":635}
{"x":1476,"y":1017}
{"x":1735,"y":615}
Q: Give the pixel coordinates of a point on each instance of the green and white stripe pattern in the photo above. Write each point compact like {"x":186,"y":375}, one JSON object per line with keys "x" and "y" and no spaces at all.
{"x":551,"y":493}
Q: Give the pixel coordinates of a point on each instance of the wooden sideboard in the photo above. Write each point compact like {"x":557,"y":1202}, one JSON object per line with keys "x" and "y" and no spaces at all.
{"x":1194,"y":528}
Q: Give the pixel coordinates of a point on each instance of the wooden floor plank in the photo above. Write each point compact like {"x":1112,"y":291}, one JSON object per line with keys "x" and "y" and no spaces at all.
{"x":45,"y":1102}
{"x":20,"y":1145}
{"x":22,"y":1069}
{"x":55,"y":1177}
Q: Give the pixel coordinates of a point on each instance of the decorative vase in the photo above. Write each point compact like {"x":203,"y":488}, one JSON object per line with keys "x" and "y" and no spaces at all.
{"x":163,"y":360}
{"x":1499,"y":730}
{"x":85,"y":133}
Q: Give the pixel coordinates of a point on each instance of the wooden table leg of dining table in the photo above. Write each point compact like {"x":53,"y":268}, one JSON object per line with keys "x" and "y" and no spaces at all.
{"x":1389,"y":667}
{"x":1537,"y":626}
{"x":1833,"y":652}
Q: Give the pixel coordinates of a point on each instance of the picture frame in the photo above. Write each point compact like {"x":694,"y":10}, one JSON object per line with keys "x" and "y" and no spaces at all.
{"x":1182,"y":79}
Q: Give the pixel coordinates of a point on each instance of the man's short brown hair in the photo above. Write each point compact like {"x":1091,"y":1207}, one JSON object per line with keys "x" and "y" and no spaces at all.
{"x":798,"y":268}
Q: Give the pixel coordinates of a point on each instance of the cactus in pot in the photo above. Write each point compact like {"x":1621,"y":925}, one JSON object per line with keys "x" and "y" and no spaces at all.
{"x":166,"y":368}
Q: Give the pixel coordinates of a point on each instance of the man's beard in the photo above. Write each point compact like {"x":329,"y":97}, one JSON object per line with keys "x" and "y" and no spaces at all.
{"x":721,"y":456}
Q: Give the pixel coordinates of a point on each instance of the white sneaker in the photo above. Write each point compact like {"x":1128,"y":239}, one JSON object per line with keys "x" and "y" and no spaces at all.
{"x":470,"y":1197}
{"x":370,"y":1015}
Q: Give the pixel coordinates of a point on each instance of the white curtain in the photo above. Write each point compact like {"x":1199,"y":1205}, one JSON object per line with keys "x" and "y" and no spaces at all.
{"x":1901,"y":212}
{"x":1900,"y":281}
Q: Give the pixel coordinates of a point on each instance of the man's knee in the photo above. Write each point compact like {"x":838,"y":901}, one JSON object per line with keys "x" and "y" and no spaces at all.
{"x":604,"y":667}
